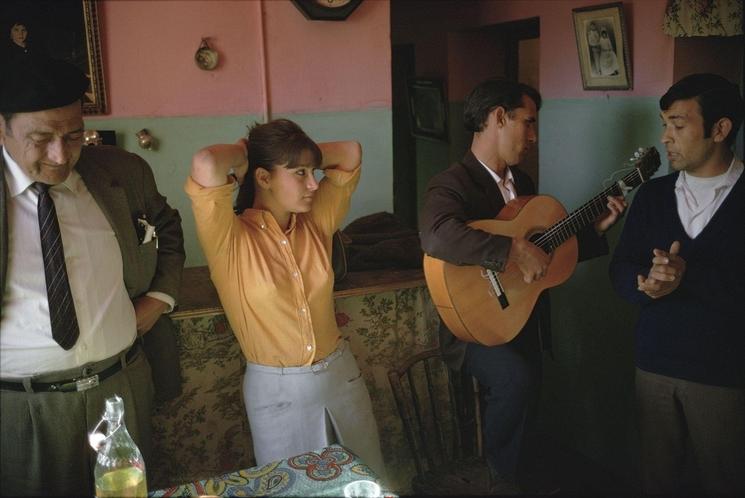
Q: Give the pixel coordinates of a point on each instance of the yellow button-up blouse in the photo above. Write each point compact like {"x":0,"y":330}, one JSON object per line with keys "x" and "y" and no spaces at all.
{"x":276,"y":286}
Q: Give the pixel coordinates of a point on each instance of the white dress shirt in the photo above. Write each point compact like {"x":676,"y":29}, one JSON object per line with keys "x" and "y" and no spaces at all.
{"x":93,"y":258}
{"x":506,"y":185}
{"x":699,"y":198}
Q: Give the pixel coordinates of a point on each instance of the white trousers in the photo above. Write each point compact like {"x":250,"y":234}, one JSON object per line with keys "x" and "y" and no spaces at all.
{"x":298,"y":409}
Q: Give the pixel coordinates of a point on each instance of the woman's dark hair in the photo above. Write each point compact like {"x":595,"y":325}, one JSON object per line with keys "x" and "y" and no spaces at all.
{"x":494,"y":93}
{"x":278,"y":142}
{"x":716,"y":96}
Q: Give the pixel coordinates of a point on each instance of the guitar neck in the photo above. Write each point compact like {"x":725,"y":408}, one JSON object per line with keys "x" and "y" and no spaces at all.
{"x":586,"y":214}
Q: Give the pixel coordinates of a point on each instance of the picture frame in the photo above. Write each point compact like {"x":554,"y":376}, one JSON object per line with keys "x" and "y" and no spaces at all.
{"x":62,"y":29}
{"x":326,"y":10}
{"x":428,"y":109}
{"x":602,"y":46}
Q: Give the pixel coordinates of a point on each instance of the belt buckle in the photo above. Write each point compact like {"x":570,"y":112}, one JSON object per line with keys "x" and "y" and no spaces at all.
{"x":319,"y":366}
{"x":86,"y":383}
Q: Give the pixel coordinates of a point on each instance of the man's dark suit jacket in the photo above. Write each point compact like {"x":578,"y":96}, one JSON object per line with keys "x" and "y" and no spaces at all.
{"x":466,"y":192}
{"x":124,"y":188}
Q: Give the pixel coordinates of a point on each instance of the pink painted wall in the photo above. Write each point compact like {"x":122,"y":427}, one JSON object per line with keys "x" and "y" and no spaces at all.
{"x":149,"y":46}
{"x":315,"y":65}
{"x":651,"y":49}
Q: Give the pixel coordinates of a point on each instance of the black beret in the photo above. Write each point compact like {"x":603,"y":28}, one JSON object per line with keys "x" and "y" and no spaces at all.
{"x":33,"y":83}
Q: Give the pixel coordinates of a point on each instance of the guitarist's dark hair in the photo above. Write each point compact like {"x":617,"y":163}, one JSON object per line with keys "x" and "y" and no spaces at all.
{"x":717,"y":97}
{"x":493,"y":93}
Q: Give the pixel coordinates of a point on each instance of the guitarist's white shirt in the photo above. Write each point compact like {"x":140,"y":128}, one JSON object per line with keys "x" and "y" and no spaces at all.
{"x":506,"y":186}
{"x":699,"y":198}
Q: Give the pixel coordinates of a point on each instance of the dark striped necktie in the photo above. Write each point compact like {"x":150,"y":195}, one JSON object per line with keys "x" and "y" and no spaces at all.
{"x":61,"y":306}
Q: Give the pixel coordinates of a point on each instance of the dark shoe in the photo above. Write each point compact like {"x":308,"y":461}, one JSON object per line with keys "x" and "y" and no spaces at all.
{"x":499,"y":486}
{"x":547,"y":491}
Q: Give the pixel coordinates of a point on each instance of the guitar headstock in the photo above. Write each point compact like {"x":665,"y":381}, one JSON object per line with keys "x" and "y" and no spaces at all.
{"x":646,"y":160}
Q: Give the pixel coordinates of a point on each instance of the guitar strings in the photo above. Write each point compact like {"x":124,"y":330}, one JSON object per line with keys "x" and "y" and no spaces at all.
{"x":613,"y":178}
{"x":561,"y":228}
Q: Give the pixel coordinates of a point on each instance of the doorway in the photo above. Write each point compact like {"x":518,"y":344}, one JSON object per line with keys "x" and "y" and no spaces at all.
{"x":452,"y":46}
{"x":403,"y":64}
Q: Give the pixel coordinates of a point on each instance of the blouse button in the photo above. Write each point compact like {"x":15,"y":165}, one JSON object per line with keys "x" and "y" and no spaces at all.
{"x":283,"y":241}
{"x":309,"y":347}
{"x":294,"y":274}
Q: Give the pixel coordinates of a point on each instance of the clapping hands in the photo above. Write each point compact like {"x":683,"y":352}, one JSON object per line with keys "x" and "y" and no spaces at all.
{"x":666,"y":273}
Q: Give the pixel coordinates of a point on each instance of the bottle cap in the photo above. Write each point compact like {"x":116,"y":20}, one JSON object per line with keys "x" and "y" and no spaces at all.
{"x":114,"y":407}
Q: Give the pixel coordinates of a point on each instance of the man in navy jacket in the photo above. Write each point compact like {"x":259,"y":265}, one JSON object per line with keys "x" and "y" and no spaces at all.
{"x":681,"y":258}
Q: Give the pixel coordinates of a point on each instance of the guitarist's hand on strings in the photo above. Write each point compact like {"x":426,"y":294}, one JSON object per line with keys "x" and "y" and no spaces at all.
{"x":616,"y":206}
{"x":531,"y":260}
{"x":666,"y":273}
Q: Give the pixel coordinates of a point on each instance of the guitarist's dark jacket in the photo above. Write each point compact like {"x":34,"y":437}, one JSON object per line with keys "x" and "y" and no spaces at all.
{"x":466,"y":192}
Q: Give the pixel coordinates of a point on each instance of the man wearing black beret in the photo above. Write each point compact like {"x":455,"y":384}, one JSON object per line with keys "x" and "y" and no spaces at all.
{"x":90,"y":258}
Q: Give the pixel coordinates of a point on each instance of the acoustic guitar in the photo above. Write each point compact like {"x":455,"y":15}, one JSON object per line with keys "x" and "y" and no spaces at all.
{"x":489,"y":307}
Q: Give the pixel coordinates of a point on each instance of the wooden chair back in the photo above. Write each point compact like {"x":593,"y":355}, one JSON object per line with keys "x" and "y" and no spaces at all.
{"x":440,"y":412}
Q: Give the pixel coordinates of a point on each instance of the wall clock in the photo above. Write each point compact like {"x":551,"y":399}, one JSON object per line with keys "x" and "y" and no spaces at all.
{"x":326,"y":10}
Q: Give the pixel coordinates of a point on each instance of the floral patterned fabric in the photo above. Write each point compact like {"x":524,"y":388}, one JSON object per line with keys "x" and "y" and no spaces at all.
{"x":703,"y":18}
{"x":317,"y":473}
{"x":204,"y":432}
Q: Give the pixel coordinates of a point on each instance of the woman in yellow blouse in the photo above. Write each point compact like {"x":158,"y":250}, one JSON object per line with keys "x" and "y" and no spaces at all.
{"x":270,"y":261}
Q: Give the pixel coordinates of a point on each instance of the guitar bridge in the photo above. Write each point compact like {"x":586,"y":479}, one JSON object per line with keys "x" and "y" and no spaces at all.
{"x":496,"y":287}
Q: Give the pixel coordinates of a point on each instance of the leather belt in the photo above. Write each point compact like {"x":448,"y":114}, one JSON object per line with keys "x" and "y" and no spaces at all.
{"x":76,"y":384}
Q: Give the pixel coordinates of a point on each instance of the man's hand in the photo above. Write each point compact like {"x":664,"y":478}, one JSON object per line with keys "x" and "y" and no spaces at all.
{"x":616,"y":206}
{"x":531,"y":260}
{"x":147,"y":310}
{"x":666,"y":273}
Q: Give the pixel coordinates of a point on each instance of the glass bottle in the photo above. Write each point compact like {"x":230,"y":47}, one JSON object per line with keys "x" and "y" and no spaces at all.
{"x":120,"y":468}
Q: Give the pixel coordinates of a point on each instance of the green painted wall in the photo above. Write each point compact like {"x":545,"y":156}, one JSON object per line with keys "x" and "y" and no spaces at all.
{"x":587,"y":397}
{"x":179,"y":137}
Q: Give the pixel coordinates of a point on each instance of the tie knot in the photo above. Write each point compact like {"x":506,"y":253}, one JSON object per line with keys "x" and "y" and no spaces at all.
{"x":509,"y":189}
{"x":41,"y":188}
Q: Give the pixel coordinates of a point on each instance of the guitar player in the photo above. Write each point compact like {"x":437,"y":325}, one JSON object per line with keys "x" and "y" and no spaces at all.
{"x":502,"y":116}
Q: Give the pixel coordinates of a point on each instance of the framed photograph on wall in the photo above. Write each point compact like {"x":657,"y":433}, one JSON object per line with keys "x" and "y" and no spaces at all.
{"x":602,"y":44}
{"x":428,"y":109}
{"x":60,"y":29}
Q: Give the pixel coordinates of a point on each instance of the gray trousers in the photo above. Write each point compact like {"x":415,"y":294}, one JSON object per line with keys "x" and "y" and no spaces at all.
{"x":44,"y":439}
{"x":299,"y":409}
{"x":685,"y":424}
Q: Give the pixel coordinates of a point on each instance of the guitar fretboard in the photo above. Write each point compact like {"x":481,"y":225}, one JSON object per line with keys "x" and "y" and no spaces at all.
{"x":578,"y":219}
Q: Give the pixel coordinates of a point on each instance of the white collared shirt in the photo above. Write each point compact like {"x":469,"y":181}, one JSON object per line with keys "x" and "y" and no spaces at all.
{"x":699,"y":198}
{"x":93,"y":259}
{"x":506,"y":185}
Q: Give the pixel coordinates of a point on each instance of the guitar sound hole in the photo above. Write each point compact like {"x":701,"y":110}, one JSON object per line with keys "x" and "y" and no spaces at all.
{"x":545,"y":245}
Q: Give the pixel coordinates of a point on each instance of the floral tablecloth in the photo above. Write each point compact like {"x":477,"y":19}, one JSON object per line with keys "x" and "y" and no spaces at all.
{"x":323,"y":472}
{"x":204,"y":432}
